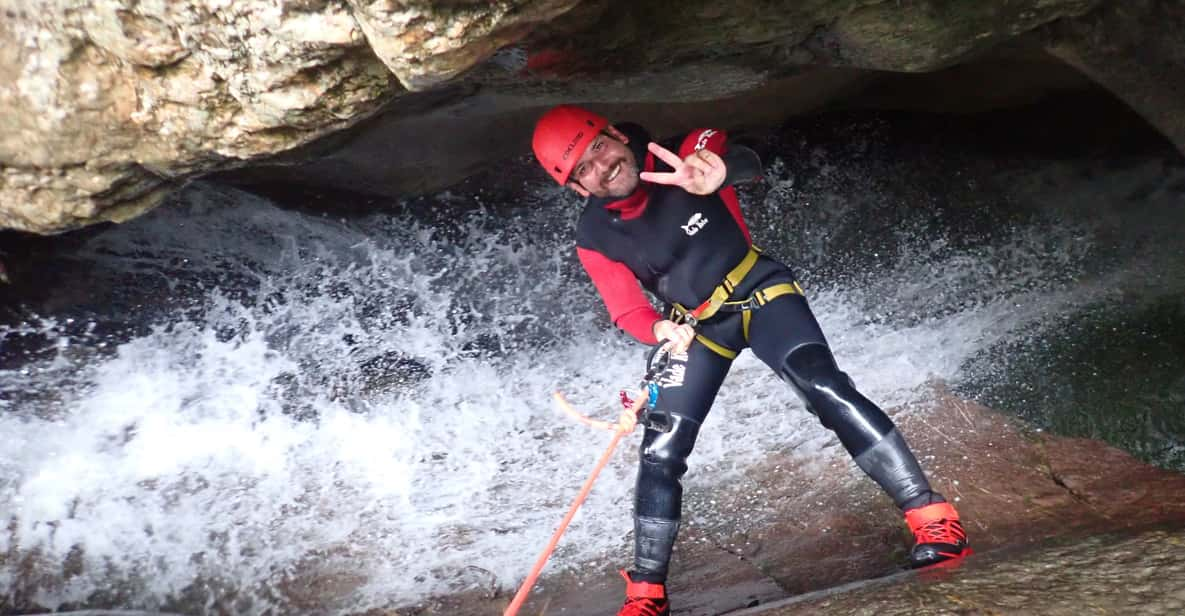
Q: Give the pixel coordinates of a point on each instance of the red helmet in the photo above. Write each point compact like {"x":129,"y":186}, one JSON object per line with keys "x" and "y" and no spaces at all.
{"x":561,"y":136}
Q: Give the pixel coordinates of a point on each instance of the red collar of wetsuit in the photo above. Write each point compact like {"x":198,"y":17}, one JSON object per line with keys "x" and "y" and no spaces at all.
{"x":633,"y":205}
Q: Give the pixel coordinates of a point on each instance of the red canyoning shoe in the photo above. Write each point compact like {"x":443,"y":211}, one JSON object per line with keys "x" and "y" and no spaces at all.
{"x":939,"y":535}
{"x":644,"y":599}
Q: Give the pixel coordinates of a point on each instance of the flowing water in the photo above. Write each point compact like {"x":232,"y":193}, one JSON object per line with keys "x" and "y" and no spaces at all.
{"x":230,"y":406}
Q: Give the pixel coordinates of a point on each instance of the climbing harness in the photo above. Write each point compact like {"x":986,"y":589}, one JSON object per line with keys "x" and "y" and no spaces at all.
{"x":632,"y":410}
{"x":719,"y":302}
{"x":720,"y":295}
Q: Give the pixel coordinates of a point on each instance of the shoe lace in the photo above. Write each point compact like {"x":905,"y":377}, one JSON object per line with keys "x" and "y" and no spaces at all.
{"x":941,"y":531}
{"x":642,"y":607}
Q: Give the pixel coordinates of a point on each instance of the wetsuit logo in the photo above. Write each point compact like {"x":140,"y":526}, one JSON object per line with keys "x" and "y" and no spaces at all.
{"x":702,"y":141}
{"x":694,"y":224}
{"x":673,"y":377}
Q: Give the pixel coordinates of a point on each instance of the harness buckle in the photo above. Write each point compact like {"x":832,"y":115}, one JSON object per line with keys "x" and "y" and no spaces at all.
{"x":678,"y":315}
{"x":749,"y":303}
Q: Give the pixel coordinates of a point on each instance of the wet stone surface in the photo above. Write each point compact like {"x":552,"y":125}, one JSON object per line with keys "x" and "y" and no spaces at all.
{"x":1109,"y":574}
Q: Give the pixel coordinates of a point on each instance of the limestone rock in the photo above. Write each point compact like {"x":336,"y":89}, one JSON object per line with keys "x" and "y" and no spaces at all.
{"x":106,"y":105}
{"x":1137,"y":51}
{"x":1142,"y":573}
{"x":425,"y":45}
{"x":923,"y":36}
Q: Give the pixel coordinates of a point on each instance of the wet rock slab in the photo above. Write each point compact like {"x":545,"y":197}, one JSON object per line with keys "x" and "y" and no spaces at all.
{"x":1017,"y":489}
{"x":1111,"y":574}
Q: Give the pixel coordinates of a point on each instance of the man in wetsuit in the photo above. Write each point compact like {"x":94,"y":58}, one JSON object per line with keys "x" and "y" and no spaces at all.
{"x":671,"y":222}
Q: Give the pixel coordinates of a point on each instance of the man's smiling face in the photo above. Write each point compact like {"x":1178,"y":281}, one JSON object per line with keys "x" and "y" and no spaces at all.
{"x":607,"y":168}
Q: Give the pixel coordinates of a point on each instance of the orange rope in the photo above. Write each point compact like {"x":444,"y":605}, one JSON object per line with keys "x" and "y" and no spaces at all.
{"x":625,"y":422}
{"x":624,"y":426}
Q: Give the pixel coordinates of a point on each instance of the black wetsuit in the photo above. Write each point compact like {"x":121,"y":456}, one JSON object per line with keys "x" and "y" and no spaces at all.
{"x":680,"y":246}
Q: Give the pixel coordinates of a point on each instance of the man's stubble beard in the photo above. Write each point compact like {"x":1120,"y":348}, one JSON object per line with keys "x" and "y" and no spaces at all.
{"x":631,"y":187}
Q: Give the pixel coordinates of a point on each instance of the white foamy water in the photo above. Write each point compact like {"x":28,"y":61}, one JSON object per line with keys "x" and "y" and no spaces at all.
{"x":343,"y":415}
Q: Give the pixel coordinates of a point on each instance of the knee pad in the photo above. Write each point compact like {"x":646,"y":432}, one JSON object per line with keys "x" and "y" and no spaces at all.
{"x":667,"y":451}
{"x":811,"y":368}
{"x":831,"y":395}
{"x":659,"y":493}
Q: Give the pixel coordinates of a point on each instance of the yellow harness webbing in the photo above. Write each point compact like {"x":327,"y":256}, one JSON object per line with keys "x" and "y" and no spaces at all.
{"x":764,"y":296}
{"x":719,"y":299}
{"x":759,"y":298}
{"x":722,"y":291}
{"x":718,"y":348}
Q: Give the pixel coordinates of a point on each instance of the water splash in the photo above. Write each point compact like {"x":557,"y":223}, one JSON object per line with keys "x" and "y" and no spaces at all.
{"x":272,"y":410}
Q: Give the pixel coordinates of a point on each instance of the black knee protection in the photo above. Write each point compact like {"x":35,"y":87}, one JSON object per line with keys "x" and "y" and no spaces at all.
{"x":658,"y":493}
{"x":863,"y":428}
{"x":829,"y":394}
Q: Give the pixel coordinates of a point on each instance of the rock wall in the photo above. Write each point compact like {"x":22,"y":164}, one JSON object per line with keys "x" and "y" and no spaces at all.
{"x":107,"y":105}
{"x":1137,"y":51}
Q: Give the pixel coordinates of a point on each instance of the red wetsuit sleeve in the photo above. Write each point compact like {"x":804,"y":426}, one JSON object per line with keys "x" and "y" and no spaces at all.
{"x":628,"y":307}
{"x":716,"y":141}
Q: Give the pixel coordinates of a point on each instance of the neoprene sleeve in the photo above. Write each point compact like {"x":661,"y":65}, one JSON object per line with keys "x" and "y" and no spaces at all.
{"x":628,"y":307}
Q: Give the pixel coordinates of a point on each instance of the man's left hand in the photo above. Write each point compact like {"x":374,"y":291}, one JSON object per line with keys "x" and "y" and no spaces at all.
{"x":701,"y":173}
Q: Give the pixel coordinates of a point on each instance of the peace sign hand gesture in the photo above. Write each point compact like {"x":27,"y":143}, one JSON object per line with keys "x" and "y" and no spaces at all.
{"x":701,"y":173}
